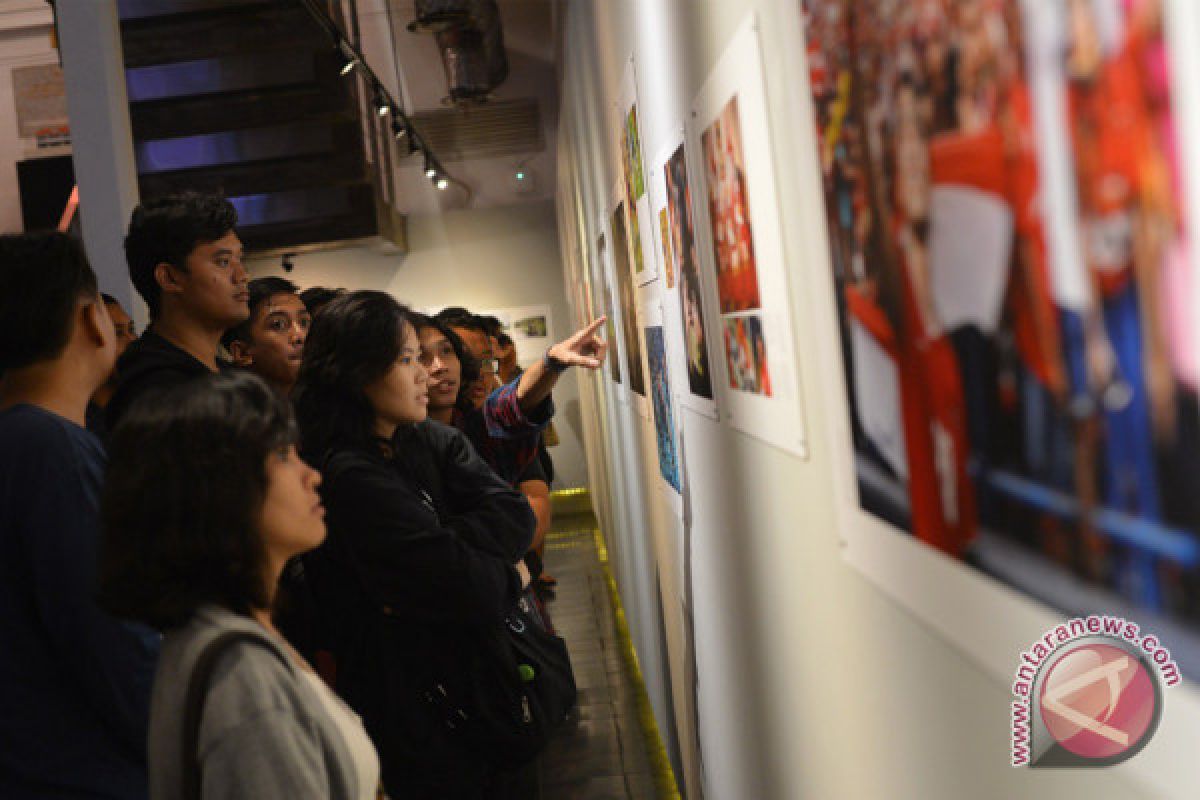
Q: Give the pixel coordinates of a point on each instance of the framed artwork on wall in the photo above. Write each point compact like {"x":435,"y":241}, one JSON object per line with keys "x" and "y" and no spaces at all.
{"x":662,"y":400}
{"x":682,"y":292}
{"x":628,"y":327}
{"x":740,"y":249}
{"x":638,"y":220}
{"x":1005,"y":214}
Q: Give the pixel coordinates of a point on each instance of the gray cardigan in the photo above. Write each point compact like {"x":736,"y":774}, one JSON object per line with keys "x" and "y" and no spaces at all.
{"x":264,"y":733}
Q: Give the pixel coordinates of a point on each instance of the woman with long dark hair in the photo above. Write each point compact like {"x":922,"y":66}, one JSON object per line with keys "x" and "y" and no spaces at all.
{"x":205,"y":501}
{"x":422,"y":559}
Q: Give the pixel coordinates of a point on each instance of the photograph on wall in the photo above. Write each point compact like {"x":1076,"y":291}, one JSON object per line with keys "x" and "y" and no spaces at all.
{"x":729,"y":214}
{"x":610,"y":325}
{"x":744,"y":268}
{"x":639,"y":222}
{"x":660,"y":395}
{"x":664,"y":232}
{"x":682,"y":230}
{"x":1010,"y":255}
{"x":628,"y":300}
{"x":746,"y":352}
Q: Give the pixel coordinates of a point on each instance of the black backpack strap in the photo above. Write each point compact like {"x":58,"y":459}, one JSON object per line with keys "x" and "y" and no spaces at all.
{"x":193,"y":709}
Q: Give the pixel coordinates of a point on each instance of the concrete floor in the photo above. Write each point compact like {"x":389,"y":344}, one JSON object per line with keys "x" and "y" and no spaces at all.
{"x":601,"y":753}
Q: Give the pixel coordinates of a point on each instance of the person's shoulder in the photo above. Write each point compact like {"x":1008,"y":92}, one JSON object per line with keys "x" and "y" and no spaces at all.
{"x":251,"y":675}
{"x":439,"y":435}
{"x":28,"y":432}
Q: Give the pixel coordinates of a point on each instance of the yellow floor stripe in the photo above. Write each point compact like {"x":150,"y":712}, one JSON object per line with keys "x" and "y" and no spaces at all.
{"x":660,"y":764}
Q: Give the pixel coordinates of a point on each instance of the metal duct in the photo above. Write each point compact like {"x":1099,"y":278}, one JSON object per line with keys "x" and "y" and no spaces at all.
{"x":433,"y":16}
{"x":472,"y":48}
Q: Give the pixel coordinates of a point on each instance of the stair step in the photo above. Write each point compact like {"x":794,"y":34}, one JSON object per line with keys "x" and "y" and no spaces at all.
{"x":294,"y":218}
{"x":248,"y":108}
{"x":222,"y":32}
{"x":335,"y":169}
{"x":129,"y":10}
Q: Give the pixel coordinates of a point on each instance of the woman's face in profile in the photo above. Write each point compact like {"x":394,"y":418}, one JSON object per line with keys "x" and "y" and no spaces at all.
{"x":402,"y":393}
{"x":293,"y":519}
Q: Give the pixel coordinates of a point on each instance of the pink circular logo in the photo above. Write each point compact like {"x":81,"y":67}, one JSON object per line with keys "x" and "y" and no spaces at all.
{"x":1099,"y":701}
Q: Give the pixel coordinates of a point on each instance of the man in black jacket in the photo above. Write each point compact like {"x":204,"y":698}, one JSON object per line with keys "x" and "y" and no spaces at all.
{"x":186,"y":262}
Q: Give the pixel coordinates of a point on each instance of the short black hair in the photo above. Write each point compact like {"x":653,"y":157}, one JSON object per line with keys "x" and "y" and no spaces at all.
{"x":493,"y":325}
{"x":43,"y":276}
{"x":166,"y":229}
{"x":504,"y":339}
{"x":469,"y":366}
{"x":459,"y":317}
{"x":179,"y":533}
{"x":317,"y":297}
{"x":261,"y":290}
{"x":109,"y":299}
{"x":353,"y":341}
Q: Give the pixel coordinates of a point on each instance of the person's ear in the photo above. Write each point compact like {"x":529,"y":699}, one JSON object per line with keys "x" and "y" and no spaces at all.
{"x":167,"y":277}
{"x":95,"y":324}
{"x":240,"y":352}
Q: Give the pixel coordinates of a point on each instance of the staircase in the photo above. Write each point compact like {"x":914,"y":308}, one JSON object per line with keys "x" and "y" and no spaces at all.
{"x":244,"y":98}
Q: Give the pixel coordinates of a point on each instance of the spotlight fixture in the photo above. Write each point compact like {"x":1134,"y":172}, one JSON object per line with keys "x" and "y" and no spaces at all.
{"x":399,"y":130}
{"x":430,"y":170}
{"x":286,"y":263}
{"x":381,"y":104}
{"x":348,"y":59}
{"x":442,"y":183}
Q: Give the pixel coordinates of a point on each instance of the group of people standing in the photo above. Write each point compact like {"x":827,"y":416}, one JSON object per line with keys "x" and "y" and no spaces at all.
{"x":250,"y":577}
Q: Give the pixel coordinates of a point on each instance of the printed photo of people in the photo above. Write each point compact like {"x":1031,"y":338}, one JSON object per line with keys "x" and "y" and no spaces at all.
{"x":628,"y":300}
{"x":729,"y":212}
{"x":683,"y":247}
{"x":746,"y":354}
{"x":635,"y":184}
{"x":1030,"y":404}
{"x":660,"y":394}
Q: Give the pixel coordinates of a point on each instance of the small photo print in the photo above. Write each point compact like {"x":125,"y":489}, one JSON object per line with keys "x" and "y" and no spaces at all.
{"x":664,"y":232}
{"x":746,"y":355}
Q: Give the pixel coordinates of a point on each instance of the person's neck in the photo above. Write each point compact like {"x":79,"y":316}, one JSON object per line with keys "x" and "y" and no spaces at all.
{"x":385,"y":430}
{"x":442,"y":414}
{"x":55,"y":387}
{"x":102,"y":395}
{"x":193,"y":338}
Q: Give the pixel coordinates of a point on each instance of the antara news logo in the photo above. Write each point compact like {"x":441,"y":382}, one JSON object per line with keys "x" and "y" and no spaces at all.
{"x":1089,"y":694}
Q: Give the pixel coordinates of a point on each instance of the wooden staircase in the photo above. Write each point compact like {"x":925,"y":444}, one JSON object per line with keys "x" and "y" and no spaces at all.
{"x":244,"y":98}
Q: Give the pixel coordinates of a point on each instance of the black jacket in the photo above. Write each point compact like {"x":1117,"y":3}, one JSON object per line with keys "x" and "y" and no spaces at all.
{"x":418,"y":563}
{"x":151,"y":364}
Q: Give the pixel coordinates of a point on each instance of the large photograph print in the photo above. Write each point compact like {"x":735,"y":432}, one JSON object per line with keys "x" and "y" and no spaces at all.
{"x":682,"y":235}
{"x":1003,"y":191}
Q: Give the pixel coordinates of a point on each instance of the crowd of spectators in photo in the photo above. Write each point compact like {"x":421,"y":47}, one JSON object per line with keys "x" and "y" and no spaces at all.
{"x":267,"y":548}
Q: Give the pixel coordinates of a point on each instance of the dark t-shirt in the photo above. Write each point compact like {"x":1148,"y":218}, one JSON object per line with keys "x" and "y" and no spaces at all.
{"x":151,"y":364}
{"x":74,"y":682}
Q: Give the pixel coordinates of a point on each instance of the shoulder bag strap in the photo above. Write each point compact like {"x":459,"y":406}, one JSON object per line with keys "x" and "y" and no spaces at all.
{"x":193,"y":709}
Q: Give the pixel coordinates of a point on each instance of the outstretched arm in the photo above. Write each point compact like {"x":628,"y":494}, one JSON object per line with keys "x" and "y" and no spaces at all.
{"x":582,"y":349}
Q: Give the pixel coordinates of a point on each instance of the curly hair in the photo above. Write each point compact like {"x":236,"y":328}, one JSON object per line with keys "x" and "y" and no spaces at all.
{"x":186,"y":482}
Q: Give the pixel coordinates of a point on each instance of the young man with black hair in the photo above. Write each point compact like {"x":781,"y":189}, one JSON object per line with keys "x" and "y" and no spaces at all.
{"x":186,"y":262}
{"x":126,"y":335}
{"x":271,"y":342}
{"x":74,"y":682}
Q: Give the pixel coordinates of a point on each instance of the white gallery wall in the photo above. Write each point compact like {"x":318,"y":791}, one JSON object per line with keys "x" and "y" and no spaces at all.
{"x":487,"y":259}
{"x":776,"y":669}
